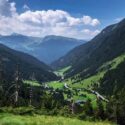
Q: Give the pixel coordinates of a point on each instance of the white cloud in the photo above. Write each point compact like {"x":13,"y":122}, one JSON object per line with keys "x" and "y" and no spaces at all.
{"x":6,"y":8}
{"x":95,"y":22}
{"x":41,"y":23}
{"x":87,"y":20}
{"x":88,"y":32}
{"x":26,"y":7}
{"x":118,"y":19}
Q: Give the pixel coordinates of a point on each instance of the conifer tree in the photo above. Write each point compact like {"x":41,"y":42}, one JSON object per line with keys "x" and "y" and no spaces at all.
{"x":100,"y":110}
{"x":1,"y":74}
{"x":1,"y":81}
{"x":18,"y":81}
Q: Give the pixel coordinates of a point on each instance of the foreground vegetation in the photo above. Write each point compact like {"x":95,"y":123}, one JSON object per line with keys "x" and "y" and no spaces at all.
{"x":11,"y":119}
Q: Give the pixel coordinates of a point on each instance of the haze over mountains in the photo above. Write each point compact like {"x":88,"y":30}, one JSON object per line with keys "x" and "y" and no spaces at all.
{"x":47,"y":49}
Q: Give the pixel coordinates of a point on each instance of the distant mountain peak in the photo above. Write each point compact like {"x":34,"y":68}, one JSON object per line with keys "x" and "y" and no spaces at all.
{"x":15,"y":34}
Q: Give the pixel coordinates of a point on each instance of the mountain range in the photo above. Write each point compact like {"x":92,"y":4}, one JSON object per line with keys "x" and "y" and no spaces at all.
{"x":47,"y":49}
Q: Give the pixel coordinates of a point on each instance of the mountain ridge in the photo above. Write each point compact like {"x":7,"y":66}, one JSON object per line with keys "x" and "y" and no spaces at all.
{"x":46,"y":49}
{"x":28,"y":65}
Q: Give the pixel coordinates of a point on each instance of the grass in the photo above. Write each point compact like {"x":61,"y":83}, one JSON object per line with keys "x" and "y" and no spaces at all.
{"x":110,"y":65}
{"x":56,"y":84}
{"x":92,"y":97}
{"x":32,"y":83}
{"x":10,"y":119}
{"x":60,"y":85}
{"x":114,"y":63}
{"x":62,"y":71}
{"x":90,"y":80}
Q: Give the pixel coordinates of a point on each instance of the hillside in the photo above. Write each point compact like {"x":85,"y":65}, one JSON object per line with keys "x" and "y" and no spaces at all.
{"x":113,"y":81}
{"x":28,"y":65}
{"x":47,"y":49}
{"x":87,"y":58}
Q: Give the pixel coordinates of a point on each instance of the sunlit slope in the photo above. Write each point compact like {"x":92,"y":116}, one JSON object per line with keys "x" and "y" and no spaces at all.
{"x":110,"y":65}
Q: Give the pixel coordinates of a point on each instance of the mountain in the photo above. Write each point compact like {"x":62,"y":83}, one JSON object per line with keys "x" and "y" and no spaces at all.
{"x":113,"y":81}
{"x":27,"y":64}
{"x":89,"y":57}
{"x":47,"y":49}
{"x":19,"y":42}
{"x":53,"y":47}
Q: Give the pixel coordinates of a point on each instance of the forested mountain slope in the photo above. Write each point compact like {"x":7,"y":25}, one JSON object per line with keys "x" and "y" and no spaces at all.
{"x":87,"y":58}
{"x":27,"y":64}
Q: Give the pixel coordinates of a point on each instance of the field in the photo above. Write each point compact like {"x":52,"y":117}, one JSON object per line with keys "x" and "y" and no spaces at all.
{"x":62,"y":71}
{"x":10,"y":119}
{"x":32,"y":83}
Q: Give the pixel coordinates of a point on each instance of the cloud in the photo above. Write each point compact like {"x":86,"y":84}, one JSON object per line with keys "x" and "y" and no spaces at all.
{"x":6,"y":8}
{"x":57,"y":17}
{"x":89,"y":21}
{"x":88,"y":32}
{"x":118,"y":19}
{"x":41,"y":23}
{"x":26,"y":7}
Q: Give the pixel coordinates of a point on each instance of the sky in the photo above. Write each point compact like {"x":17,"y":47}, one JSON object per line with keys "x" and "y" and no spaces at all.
{"x":81,"y":19}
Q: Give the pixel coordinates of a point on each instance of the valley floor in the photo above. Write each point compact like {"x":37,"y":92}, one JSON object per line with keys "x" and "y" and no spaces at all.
{"x":10,"y":119}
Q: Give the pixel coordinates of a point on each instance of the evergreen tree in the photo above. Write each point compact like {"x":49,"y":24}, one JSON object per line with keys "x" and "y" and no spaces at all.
{"x":1,"y":81}
{"x":18,"y":84}
{"x":100,"y":113}
{"x":88,"y":108}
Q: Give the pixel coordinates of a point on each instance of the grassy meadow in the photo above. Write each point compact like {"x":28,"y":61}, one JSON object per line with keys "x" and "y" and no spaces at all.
{"x":11,"y":119}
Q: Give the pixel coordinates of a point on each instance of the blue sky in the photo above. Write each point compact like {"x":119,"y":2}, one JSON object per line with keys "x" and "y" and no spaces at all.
{"x":74,"y":14}
{"x":105,"y":10}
